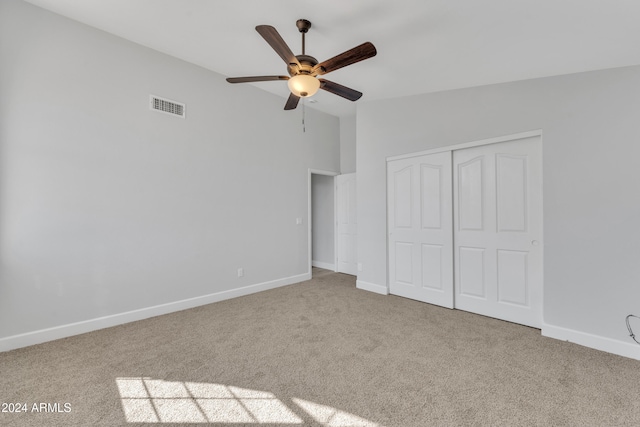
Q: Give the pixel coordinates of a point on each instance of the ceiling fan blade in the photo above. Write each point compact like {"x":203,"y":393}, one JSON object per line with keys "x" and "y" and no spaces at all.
{"x":274,"y":39}
{"x":292,"y":102}
{"x":359,"y":53}
{"x":255,"y":79}
{"x":337,"y":89}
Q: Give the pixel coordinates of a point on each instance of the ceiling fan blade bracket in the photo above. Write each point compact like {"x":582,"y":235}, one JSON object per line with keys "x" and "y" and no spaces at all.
{"x":293,"y":69}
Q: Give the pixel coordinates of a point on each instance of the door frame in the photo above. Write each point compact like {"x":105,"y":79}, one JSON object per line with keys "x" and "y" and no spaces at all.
{"x":462,"y":146}
{"x":495,"y":140}
{"x":310,"y":220}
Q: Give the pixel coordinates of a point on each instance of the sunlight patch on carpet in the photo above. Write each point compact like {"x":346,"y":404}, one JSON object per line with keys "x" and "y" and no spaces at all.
{"x":148,"y":400}
{"x":332,"y":417}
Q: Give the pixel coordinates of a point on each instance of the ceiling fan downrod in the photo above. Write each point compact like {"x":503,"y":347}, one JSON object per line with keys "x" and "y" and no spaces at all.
{"x":303,"y":26}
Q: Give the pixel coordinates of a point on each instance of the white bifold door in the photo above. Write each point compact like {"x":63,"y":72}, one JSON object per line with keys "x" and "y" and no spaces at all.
{"x":498,"y":230}
{"x":465,"y":229}
{"x":347,"y":224}
{"x":420,"y":235}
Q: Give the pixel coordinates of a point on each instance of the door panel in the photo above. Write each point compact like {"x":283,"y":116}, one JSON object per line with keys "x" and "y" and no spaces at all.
{"x":512,"y":197}
{"x":498,"y":224}
{"x":470,"y":194}
{"x":347,"y":225}
{"x":431,"y":177}
{"x":512,"y":277}
{"x":404,"y":263}
{"x":432,"y":260}
{"x":420,"y":224}
{"x":403,"y":196}
{"x":471,"y":272}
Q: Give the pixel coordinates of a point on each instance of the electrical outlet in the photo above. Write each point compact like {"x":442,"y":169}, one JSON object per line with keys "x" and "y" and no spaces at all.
{"x":240,"y":272}
{"x":359,"y":266}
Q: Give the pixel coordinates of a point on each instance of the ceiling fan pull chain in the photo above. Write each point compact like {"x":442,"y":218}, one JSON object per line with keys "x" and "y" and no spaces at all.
{"x":304,"y":128}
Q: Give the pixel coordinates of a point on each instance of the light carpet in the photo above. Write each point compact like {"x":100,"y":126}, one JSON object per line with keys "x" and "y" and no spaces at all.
{"x":318,"y":353}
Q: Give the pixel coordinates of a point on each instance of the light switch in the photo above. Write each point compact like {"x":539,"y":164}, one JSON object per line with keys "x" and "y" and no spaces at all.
{"x":298,"y":221}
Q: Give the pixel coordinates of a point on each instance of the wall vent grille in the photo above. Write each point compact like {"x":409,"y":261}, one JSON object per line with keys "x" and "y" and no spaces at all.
{"x":167,"y":106}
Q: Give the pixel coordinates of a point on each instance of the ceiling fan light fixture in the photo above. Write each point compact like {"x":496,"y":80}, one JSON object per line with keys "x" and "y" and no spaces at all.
{"x":303,"y":85}
{"x":304,"y":68}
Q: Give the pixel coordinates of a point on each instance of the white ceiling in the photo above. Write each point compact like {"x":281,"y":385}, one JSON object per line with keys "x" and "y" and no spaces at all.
{"x":423,"y":45}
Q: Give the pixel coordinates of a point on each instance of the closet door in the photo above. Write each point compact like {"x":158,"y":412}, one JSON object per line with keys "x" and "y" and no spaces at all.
{"x":498,"y":230}
{"x":347,"y":224}
{"x":420,"y":228}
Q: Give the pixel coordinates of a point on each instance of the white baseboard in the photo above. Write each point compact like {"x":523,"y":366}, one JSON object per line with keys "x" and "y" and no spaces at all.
{"x":371,"y":287}
{"x":325,"y":265}
{"x":630,"y":350}
{"x":63,"y":331}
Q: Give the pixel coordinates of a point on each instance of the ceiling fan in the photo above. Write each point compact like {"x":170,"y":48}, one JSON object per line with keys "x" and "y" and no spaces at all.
{"x":304,"y":69}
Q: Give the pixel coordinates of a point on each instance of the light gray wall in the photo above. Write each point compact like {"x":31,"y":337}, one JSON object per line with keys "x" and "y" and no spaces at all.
{"x":107,"y":207}
{"x":348,"y":144}
{"x":323,"y":219}
{"x":591,"y":145}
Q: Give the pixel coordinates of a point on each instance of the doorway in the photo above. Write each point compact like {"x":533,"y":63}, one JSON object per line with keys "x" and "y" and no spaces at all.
{"x":322,"y":224}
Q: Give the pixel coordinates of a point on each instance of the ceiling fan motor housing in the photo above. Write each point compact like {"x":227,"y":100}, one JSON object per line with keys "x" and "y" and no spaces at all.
{"x":307,"y":63}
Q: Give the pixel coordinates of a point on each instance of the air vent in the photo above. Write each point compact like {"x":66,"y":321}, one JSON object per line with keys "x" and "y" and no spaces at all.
{"x":167,"y":106}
